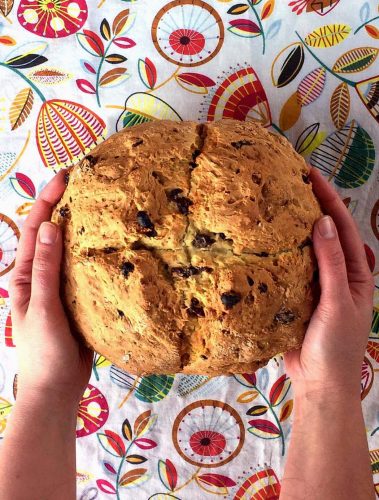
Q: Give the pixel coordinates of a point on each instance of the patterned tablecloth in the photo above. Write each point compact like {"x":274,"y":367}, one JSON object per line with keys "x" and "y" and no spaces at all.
{"x":73,"y":72}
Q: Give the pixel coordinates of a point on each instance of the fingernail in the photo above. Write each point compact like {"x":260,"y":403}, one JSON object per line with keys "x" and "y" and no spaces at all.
{"x":48,"y":233}
{"x":326,"y":228}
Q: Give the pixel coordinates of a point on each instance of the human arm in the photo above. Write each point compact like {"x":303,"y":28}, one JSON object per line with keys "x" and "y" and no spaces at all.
{"x":328,"y":456}
{"x":37,"y":455}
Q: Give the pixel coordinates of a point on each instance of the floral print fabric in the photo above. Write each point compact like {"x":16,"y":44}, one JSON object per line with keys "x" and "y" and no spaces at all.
{"x":75,"y":71}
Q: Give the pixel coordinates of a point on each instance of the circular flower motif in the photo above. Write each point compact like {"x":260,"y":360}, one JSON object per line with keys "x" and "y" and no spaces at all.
{"x":207,"y":443}
{"x":187,"y":41}
{"x":52,"y":18}
{"x":187,"y":32}
{"x":65,"y":131}
{"x":93,"y":412}
{"x":9,"y":236}
{"x":208,"y":433}
{"x":239,"y":96}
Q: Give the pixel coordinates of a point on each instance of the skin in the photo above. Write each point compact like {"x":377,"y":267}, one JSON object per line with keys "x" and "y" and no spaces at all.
{"x":54,"y":368}
{"x":328,"y":455}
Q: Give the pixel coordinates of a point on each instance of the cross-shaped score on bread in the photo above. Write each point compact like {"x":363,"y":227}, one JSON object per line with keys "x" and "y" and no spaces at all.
{"x":187,"y":247}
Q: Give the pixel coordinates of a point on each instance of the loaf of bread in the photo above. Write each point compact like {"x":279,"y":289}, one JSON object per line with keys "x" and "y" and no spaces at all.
{"x":187,"y":247}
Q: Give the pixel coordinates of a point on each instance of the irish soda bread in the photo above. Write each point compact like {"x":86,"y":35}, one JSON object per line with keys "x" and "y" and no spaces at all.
{"x":187,"y":247}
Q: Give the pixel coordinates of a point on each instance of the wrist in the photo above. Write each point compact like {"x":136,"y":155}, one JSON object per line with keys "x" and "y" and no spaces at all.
{"x":339,"y":401}
{"x":53,"y":402}
{"x":65,"y":394}
{"x":326,"y":392}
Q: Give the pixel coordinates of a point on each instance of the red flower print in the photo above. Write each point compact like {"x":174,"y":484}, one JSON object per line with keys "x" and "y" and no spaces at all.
{"x":208,"y":433}
{"x":93,"y":412}
{"x":185,"y":41}
{"x":52,"y":18}
{"x":187,"y":32}
{"x":207,"y":443}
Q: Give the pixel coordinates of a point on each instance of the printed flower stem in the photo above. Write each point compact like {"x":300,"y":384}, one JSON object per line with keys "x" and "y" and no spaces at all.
{"x":114,"y":106}
{"x":188,"y":481}
{"x":33,"y":86}
{"x":365,"y":23}
{"x":99,"y":71}
{"x":95,"y":369}
{"x":260,"y":27}
{"x":278,"y":129}
{"x":164,"y":82}
{"x":275,"y":417}
{"x":130,"y":391}
{"x":345,"y":80}
{"x":120,"y":467}
{"x":374,"y":431}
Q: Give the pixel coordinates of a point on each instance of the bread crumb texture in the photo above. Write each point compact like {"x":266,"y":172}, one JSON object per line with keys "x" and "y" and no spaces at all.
{"x":187,"y":247}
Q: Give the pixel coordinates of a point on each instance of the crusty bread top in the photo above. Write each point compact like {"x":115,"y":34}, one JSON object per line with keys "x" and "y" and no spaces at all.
{"x":187,"y":247}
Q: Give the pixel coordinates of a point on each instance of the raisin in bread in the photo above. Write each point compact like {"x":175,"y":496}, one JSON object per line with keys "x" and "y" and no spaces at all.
{"x":187,"y":247}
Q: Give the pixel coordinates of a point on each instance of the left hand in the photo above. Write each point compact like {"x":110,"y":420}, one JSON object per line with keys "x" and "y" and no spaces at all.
{"x":51,"y":360}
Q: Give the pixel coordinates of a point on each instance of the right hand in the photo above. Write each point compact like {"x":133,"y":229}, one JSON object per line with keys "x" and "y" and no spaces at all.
{"x":334,"y":346}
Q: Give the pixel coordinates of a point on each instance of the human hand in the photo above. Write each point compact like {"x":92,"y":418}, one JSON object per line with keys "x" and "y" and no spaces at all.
{"x":51,"y":361}
{"x":332,"y":353}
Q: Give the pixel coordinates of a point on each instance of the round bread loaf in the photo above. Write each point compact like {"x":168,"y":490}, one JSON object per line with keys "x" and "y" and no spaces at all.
{"x":187,"y":247}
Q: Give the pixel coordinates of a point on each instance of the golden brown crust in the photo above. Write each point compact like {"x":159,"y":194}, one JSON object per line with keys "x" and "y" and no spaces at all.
{"x":184,"y":247}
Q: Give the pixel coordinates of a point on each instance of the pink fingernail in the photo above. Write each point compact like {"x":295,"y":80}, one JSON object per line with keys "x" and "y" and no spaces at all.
{"x":48,"y":233}
{"x":327,"y":228}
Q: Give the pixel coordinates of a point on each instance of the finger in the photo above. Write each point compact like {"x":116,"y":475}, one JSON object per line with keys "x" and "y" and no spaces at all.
{"x":331,"y":262}
{"x":41,"y":211}
{"x":355,"y":256}
{"x":46,"y":267}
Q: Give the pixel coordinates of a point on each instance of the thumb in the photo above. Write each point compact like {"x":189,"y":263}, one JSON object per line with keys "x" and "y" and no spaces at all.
{"x":331,"y":262}
{"x":46,"y":266}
